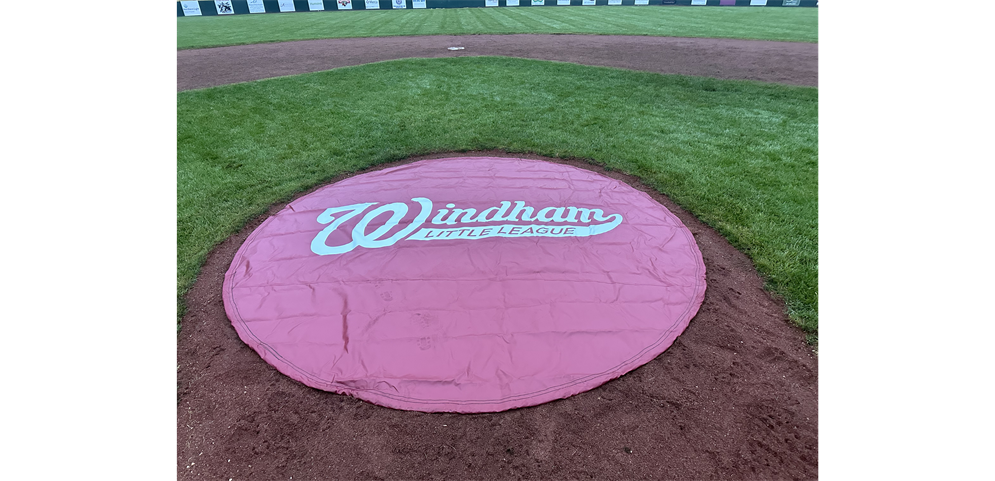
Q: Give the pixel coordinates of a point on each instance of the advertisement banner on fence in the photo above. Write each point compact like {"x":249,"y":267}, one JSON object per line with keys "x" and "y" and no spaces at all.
{"x":538,"y":3}
{"x":491,"y":3}
{"x":588,"y":2}
{"x":642,"y":2}
{"x":511,"y":3}
{"x":699,"y":2}
{"x":791,"y":3}
{"x":614,"y":2}
{"x":190,"y":9}
{"x":758,"y":3}
{"x":563,"y":2}
{"x":372,"y":4}
{"x":398,"y":4}
{"x":344,"y":4}
{"x":287,"y":6}
{"x":224,"y":7}
{"x":316,"y":5}
{"x":256,"y":6}
{"x":418,"y":4}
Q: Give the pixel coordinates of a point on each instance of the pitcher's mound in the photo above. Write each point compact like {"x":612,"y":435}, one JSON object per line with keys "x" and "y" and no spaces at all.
{"x":468,"y":284}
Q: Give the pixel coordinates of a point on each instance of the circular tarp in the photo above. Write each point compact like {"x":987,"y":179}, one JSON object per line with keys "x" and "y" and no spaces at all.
{"x":466,"y":285}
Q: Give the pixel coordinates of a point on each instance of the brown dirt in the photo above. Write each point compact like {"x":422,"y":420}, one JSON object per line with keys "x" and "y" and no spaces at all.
{"x":735,"y":397}
{"x":781,"y":62}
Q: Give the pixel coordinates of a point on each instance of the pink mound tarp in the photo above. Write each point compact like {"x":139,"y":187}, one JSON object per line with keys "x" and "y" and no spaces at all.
{"x":466,"y":284}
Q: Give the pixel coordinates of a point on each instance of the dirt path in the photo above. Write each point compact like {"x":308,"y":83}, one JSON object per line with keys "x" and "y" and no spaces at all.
{"x":781,"y":62}
{"x":735,"y":397}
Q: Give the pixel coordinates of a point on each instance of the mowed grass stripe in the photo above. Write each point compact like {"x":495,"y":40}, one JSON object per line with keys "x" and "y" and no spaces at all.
{"x":784,"y":24}
{"x":741,"y":156}
{"x":506,"y":19}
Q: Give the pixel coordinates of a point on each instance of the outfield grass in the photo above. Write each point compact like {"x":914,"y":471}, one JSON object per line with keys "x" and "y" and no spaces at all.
{"x":787,"y":24}
{"x":741,"y":156}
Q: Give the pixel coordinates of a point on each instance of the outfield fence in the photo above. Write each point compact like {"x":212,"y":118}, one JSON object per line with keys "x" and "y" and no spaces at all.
{"x":245,"y":7}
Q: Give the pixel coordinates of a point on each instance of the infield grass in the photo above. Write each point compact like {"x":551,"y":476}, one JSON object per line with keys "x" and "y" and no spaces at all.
{"x":786,"y":24}
{"x":741,"y":156}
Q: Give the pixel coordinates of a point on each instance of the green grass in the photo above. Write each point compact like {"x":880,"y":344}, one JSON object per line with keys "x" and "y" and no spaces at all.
{"x":741,"y":156}
{"x":787,"y":24}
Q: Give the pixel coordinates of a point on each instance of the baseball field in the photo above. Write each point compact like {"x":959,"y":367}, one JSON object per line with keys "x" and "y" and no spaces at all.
{"x":713,"y":111}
